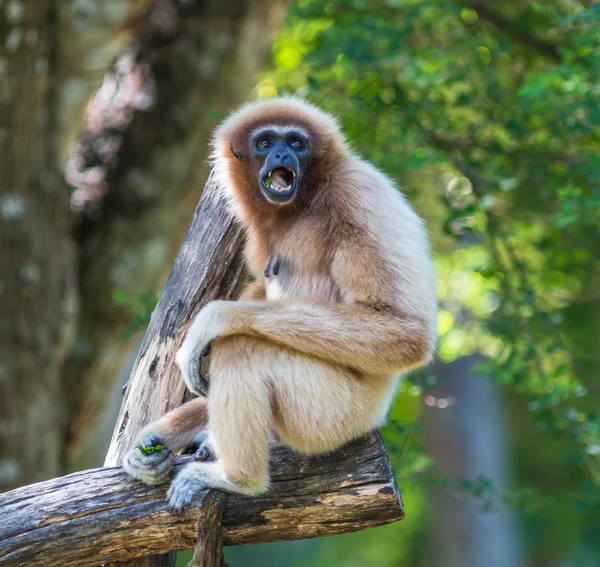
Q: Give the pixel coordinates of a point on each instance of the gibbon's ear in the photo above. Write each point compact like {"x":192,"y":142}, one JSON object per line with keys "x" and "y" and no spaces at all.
{"x":235,"y":153}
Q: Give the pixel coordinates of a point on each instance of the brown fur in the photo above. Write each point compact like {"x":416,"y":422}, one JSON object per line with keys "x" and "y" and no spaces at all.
{"x":314,"y":353}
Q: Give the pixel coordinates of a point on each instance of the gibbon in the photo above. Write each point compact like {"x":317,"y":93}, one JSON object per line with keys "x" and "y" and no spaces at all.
{"x":342,"y":304}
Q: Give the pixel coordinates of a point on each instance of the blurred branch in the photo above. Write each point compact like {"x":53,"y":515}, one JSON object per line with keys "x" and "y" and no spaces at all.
{"x":463,"y":143}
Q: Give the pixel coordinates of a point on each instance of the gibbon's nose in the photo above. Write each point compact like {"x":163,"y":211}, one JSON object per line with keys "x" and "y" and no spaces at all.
{"x":282,"y":155}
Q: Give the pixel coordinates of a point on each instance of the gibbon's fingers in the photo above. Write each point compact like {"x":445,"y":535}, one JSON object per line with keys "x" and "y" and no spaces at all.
{"x":206,"y":326}
{"x":150,"y":460}
{"x":198,"y":381}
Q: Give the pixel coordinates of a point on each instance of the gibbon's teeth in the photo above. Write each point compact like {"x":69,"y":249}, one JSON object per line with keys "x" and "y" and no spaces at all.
{"x":277,"y":177}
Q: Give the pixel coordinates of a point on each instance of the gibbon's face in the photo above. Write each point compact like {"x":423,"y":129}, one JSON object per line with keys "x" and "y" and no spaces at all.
{"x":281,"y":156}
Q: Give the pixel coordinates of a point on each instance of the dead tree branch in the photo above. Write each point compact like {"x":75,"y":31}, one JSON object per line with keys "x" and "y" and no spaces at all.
{"x":101,"y":516}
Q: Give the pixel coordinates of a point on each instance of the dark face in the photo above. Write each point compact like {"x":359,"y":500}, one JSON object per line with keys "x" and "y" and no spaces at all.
{"x":281,"y":156}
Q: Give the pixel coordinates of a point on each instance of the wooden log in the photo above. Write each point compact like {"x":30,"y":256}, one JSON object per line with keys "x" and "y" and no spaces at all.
{"x":101,"y":516}
{"x":209,"y":266}
{"x":209,"y":545}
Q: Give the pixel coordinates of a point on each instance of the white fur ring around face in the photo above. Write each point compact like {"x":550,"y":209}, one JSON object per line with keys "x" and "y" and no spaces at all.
{"x":208,"y":325}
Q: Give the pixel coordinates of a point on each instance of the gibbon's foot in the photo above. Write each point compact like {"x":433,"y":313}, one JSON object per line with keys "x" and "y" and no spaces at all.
{"x":204,"y":453}
{"x":201,"y":447}
{"x":150,"y":460}
{"x":182,"y":491}
{"x":192,"y":480}
{"x":197,"y":477}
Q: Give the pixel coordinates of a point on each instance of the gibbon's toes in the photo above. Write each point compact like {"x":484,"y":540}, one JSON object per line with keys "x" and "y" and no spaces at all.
{"x":183,"y":489}
{"x":150,"y":461}
{"x":204,"y":453}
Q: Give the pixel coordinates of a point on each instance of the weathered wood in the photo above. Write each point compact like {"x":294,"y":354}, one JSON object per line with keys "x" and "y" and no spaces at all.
{"x":102,"y":515}
{"x":209,"y":545}
{"x":209,"y":266}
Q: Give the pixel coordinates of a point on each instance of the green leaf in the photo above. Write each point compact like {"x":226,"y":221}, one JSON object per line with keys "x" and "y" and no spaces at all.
{"x":150,"y":450}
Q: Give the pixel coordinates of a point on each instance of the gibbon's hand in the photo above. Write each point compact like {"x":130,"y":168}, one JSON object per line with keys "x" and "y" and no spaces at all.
{"x":211,"y":323}
{"x":149,"y":460}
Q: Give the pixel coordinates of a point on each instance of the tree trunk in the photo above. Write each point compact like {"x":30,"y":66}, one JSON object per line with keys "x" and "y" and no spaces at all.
{"x":209,"y":543}
{"x":468,"y":440}
{"x":208,"y":266}
{"x":37,"y":268}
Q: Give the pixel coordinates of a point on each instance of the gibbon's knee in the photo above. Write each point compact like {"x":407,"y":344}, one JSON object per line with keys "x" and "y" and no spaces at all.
{"x":241,"y":355}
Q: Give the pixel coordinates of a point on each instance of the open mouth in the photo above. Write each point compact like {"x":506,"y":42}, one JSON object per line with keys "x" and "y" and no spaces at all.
{"x":280,"y":180}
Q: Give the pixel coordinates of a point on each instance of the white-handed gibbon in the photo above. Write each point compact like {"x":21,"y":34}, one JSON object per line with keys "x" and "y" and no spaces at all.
{"x":342,"y":304}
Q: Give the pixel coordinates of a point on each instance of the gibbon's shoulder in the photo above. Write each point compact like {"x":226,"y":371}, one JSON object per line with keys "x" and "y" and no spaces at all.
{"x":375,"y":198}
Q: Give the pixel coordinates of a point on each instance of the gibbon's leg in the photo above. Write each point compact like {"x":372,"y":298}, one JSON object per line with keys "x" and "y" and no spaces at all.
{"x":257,"y":387}
{"x":174,"y":431}
{"x":240,"y":422}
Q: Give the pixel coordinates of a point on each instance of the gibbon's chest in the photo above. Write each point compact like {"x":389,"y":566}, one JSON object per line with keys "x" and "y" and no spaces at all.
{"x":286,"y":280}
{"x":294,"y":262}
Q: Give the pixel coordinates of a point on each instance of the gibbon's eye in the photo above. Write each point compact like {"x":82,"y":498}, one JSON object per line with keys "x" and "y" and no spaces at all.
{"x":263,"y":143}
{"x":297,"y":144}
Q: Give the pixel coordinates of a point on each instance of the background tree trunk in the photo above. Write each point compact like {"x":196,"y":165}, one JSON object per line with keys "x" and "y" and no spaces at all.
{"x":137,"y":172}
{"x":37,"y":265}
{"x":468,"y":439}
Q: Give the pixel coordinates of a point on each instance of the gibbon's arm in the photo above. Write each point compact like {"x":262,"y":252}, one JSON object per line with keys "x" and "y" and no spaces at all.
{"x":361,"y":337}
{"x":371,"y":336}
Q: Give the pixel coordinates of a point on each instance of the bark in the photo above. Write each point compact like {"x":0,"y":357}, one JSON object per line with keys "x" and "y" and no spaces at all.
{"x":100,"y":516}
{"x":37,"y":279}
{"x":139,"y":166}
{"x":209,"y":266}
